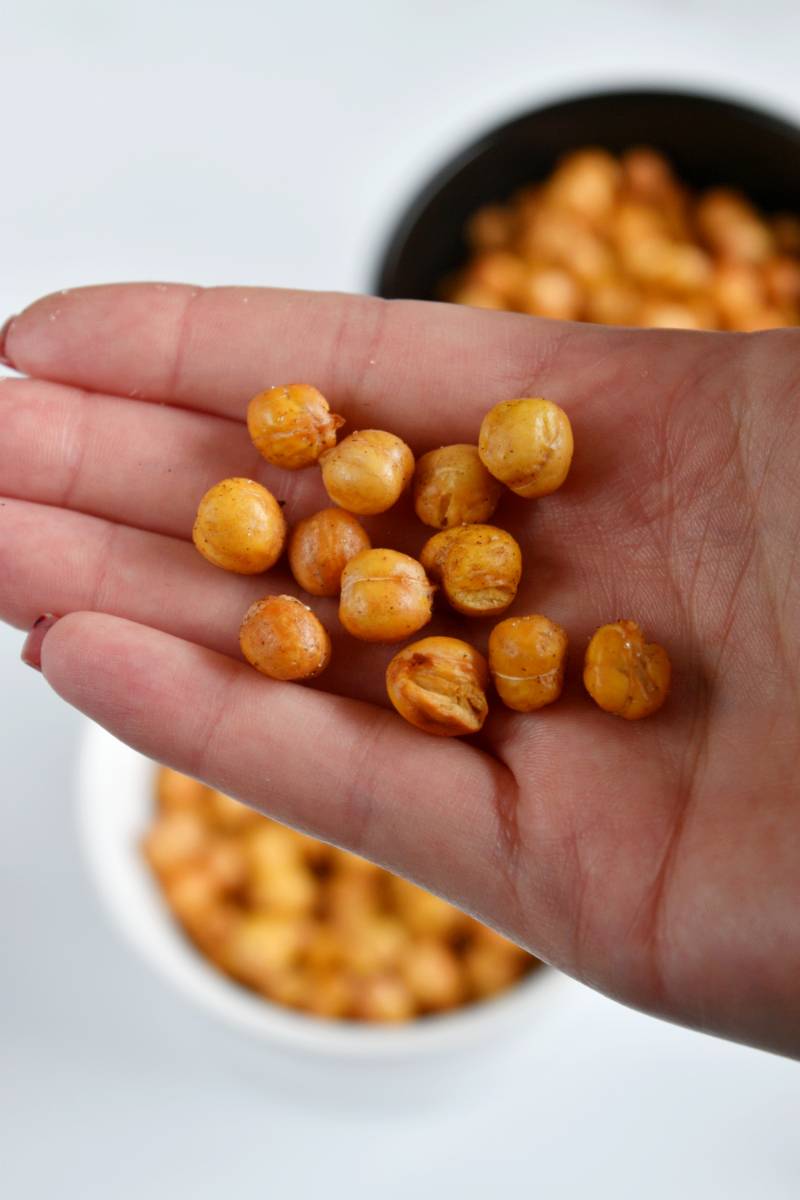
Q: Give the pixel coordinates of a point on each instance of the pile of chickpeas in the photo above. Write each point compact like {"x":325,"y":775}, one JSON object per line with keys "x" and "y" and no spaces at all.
{"x":438,"y":684}
{"x":621,"y":241}
{"x":310,"y":926}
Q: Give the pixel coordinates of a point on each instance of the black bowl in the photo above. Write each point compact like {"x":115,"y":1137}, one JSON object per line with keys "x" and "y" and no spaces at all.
{"x":709,"y":142}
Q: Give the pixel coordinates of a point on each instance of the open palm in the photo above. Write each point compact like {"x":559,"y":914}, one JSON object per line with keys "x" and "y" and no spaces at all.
{"x":659,"y":861}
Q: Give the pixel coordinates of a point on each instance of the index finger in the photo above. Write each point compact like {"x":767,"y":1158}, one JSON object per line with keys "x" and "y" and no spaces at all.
{"x":426,"y":371}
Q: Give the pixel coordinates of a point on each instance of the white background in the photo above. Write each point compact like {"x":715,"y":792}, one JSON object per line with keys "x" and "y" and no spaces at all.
{"x":272,"y":143}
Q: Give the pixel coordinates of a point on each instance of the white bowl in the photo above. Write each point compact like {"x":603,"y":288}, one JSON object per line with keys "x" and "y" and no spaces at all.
{"x":115,"y":810}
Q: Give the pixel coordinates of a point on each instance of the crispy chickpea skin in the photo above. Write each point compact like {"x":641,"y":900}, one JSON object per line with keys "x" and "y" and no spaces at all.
{"x":281,"y":637}
{"x":527,"y":444}
{"x":625,"y":675}
{"x":291,"y":426}
{"x":453,"y":487}
{"x":320,"y":548}
{"x":435,"y":551}
{"x":526,"y":660}
{"x":439,"y":685}
{"x":240,"y":527}
{"x":386,"y":596}
{"x":481,"y":570}
{"x":368,"y":471}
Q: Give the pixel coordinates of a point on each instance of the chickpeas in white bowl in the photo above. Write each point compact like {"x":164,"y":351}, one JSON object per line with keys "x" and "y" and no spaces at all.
{"x":286,"y":938}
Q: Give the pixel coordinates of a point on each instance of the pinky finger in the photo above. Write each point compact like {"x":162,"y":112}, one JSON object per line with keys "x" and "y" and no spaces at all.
{"x":341,"y":769}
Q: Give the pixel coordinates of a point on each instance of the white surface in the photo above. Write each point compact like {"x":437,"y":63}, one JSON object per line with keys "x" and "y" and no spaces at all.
{"x":267,"y":142}
{"x":115,"y":811}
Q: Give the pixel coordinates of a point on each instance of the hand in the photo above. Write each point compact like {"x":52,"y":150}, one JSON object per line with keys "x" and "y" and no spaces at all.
{"x":659,"y":861}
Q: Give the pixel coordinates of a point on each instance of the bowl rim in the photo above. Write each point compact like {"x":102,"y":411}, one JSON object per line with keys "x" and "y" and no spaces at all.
{"x":409,"y":212}
{"x":131,"y":897}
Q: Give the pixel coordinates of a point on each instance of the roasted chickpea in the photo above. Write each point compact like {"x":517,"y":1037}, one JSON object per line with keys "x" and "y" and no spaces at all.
{"x":623,"y":674}
{"x":439,"y":685}
{"x":550,"y":291}
{"x":177,"y":792}
{"x":435,"y":551}
{"x":320,"y":548}
{"x":527,"y":445}
{"x":281,"y":637}
{"x":291,"y":426}
{"x":526,"y":660}
{"x":290,"y":890}
{"x":386,"y":596}
{"x":432,"y":974}
{"x":368,"y":471}
{"x":586,"y":182}
{"x":384,"y":998}
{"x":176,"y":840}
{"x":490,"y":228}
{"x":376,"y":945}
{"x":261,"y":944}
{"x":481,"y":570}
{"x":453,"y":487}
{"x":493,"y":966}
{"x":239,"y":527}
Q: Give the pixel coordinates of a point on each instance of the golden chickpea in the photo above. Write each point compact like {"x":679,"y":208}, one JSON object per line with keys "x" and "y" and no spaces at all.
{"x":376,"y":945}
{"x":350,"y":900}
{"x":177,"y":792}
{"x":658,"y":313}
{"x":291,"y":426}
{"x":435,"y":551}
{"x":439,"y":685}
{"x":623,"y":674}
{"x":527,"y":444}
{"x":175,"y":840}
{"x":230,"y":814}
{"x":432,"y":974}
{"x":731,"y":226}
{"x":281,"y":637}
{"x":474,"y":295}
{"x":368,"y":471}
{"x":291,"y":890}
{"x":526,"y":660}
{"x":384,"y":998}
{"x":647,"y":174}
{"x":240,"y":527}
{"x":550,"y":291}
{"x":260,"y":944}
{"x":226,"y":862}
{"x":320,"y":548}
{"x":386,"y":596}
{"x":423,"y":913}
{"x":586,"y":182}
{"x":498,"y":271}
{"x":481,"y":570}
{"x":330,"y":994}
{"x":453,"y":487}
{"x":270,"y":846}
{"x":491,"y":967}
{"x":490,"y":228}
{"x":614,"y":301}
{"x":782,"y":278}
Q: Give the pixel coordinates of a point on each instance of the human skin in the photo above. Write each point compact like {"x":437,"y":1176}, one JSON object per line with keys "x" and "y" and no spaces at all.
{"x":656,"y":861}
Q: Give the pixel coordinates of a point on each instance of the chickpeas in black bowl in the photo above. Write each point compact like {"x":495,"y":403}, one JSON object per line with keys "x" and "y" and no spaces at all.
{"x":655,"y":209}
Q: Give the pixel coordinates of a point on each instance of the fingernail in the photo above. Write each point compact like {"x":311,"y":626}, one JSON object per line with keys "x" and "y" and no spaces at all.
{"x":4,"y":359}
{"x":32,"y":647}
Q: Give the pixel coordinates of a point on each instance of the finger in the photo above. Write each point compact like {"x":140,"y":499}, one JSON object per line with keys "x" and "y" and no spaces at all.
{"x":337,"y":768}
{"x":426,"y":371}
{"x":54,"y":560}
{"x":96,"y":454}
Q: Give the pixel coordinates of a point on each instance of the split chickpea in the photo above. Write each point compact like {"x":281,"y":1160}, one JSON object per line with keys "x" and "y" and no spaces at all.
{"x":624,"y":674}
{"x":439,"y":685}
{"x":453,"y":487}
